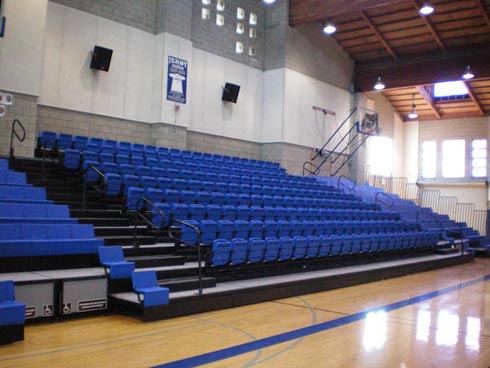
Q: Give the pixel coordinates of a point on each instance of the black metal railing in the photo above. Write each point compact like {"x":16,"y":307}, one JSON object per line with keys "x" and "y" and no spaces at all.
{"x":139,"y":215}
{"x":346,"y":180}
{"x":379,"y":195}
{"x":102,"y":179}
{"x":13,"y":133}
{"x":197,"y":245}
{"x":310,"y":168}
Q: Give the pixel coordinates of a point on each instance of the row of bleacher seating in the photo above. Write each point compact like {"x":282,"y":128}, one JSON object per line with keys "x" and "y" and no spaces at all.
{"x":287,"y":183}
{"x":34,"y":213}
{"x":73,"y":158}
{"x":227,"y":229}
{"x":189,"y":197}
{"x":18,"y":240}
{"x":234,"y":252}
{"x":81,"y":143}
{"x":30,"y":225}
{"x":198,"y":212}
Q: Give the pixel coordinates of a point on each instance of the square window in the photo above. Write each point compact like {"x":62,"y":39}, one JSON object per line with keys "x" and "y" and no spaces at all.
{"x":205,"y":13}
{"x":252,"y":33}
{"x":240,"y":28}
{"x":220,"y":5}
{"x":251,"y":51}
{"x":239,"y":47}
{"x":206,"y":2}
{"x":240,"y":14}
{"x":220,"y":20}
{"x":253,"y":19}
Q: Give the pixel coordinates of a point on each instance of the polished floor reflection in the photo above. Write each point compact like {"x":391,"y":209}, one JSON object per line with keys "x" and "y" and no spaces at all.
{"x":434,"y":319}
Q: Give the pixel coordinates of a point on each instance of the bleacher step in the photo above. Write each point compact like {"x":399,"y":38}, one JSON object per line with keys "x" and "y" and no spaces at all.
{"x":127,"y":240}
{"x":187,"y":283}
{"x":95,"y":213}
{"x":156,"y":260}
{"x":106,"y":222}
{"x":119,"y":231}
{"x":149,"y":250}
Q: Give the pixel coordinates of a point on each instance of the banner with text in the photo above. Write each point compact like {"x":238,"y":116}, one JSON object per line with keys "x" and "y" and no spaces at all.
{"x":177,"y":80}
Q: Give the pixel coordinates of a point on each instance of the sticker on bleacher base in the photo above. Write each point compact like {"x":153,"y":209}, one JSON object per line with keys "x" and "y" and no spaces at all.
{"x":66,"y":308}
{"x":91,"y":305}
{"x":47,"y":310}
{"x":30,"y":311}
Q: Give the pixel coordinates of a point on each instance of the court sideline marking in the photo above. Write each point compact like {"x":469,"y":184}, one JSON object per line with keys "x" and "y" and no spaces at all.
{"x":247,"y":347}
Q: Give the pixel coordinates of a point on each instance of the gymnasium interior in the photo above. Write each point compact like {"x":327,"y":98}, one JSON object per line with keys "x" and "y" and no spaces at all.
{"x":241,"y":183}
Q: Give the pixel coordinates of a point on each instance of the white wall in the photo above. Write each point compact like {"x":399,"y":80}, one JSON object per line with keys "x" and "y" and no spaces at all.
{"x":67,"y":80}
{"x":411,"y":151}
{"x":398,"y":147}
{"x":273,"y":106}
{"x":304,"y":126}
{"x":21,"y":49}
{"x":211,"y":115}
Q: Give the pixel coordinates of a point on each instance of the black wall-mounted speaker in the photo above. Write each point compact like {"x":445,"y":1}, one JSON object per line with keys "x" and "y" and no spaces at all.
{"x":101,"y":58}
{"x":230,"y":92}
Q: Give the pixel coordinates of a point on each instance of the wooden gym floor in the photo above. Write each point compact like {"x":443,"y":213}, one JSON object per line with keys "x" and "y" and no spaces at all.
{"x":433,"y":319}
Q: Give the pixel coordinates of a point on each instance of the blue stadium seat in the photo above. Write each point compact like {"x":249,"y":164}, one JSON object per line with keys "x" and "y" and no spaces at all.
{"x":146,"y":287}
{"x":197,"y":212}
{"x":220,"y":252}
{"x":154,"y":195}
{"x":225,"y":229}
{"x":313,"y":246}
{"x":113,"y":183}
{"x":213,"y":212}
{"x":256,"y":249}
{"x":272,"y":248}
{"x":134,"y":195}
{"x":171,"y":196}
{"x":157,"y":218}
{"x":48,"y":140}
{"x":112,"y":258}
{"x":208,"y":231}
{"x":241,"y":229}
{"x":300,"y":244}
{"x":180,"y":211}
{"x":270,"y":229}
{"x":287,"y":247}
{"x":239,"y":249}
{"x":71,"y":159}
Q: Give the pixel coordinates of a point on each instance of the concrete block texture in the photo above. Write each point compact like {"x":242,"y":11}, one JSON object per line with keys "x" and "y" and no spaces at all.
{"x":24,"y":108}
{"x":138,"y":14}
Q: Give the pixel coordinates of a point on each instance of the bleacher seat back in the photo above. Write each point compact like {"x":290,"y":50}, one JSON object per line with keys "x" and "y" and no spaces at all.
{"x":220,"y":252}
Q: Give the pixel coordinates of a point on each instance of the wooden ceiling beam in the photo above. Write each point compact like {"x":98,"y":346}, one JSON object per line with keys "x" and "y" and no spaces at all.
{"x":483,"y":12}
{"x":423,"y":70}
{"x":378,"y":34}
{"x":309,"y":11}
{"x":430,"y":101}
{"x":429,"y":25}
{"x":475,"y":100}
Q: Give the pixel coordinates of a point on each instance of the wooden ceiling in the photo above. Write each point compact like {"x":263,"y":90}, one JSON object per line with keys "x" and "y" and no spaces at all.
{"x":410,"y":51}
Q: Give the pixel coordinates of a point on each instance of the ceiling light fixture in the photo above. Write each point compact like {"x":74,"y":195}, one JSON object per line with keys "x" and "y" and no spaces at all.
{"x":379,"y":85}
{"x":426,"y":9}
{"x":468,"y":74}
{"x":329,"y":28}
{"x":413,"y":114}
{"x":269,"y":1}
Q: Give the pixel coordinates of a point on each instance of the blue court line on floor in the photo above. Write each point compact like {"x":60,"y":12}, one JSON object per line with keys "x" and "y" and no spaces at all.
{"x":310,"y":330}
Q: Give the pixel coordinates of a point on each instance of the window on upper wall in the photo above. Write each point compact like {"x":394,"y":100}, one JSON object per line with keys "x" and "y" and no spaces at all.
{"x":253,"y":19}
{"x":205,"y":13}
{"x":206,"y":2}
{"x":429,"y":159}
{"x":220,"y":20}
{"x":240,"y":13}
{"x":380,"y":156}
{"x":479,"y":158}
{"x":239,"y":47}
{"x":240,"y":28}
{"x":220,"y":5}
{"x":453,"y":158}
{"x":252,"y":33}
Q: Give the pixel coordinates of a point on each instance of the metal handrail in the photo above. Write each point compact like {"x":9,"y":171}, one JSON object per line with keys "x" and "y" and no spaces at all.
{"x":197,"y":245}
{"x":14,"y":132}
{"x":380,"y":194}
{"x":314,"y":172}
{"x":46,"y":153}
{"x":334,"y":133}
{"x":148,"y":222}
{"x":85,"y":171}
{"x":339,"y":181}
{"x":439,"y":221}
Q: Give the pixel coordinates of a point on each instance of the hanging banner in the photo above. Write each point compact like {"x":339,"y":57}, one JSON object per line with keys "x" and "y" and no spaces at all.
{"x":177,"y":80}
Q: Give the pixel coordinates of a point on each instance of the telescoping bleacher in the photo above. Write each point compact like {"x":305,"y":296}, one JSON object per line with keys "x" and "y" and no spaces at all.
{"x":235,"y":201}
{"x":248,"y":218}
